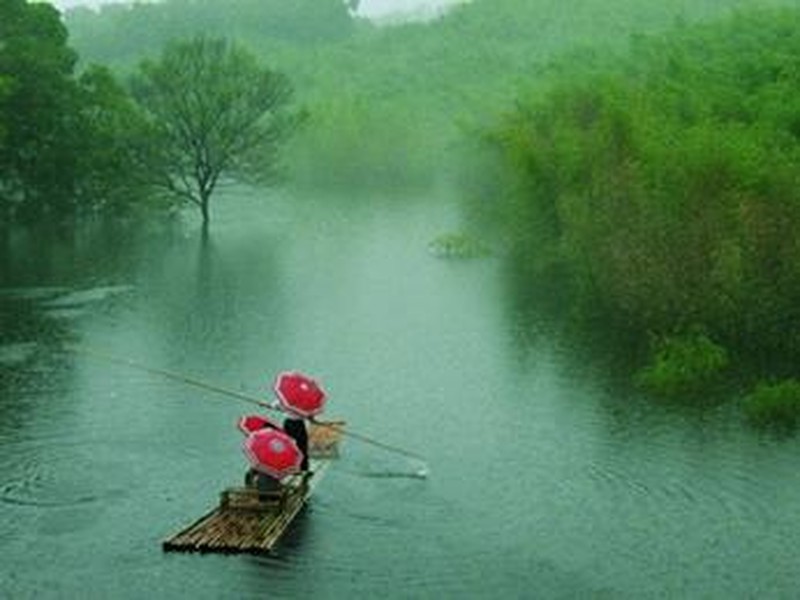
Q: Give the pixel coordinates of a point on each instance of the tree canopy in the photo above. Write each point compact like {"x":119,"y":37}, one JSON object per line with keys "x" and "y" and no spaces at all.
{"x":214,"y":112}
{"x":664,"y":188}
{"x":58,"y":154}
{"x":37,"y":101}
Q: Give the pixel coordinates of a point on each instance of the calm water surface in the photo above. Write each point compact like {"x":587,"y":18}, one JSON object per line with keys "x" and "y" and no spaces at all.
{"x":544,"y":482}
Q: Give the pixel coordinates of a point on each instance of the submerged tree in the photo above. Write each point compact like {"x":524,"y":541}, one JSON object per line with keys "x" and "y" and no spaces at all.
{"x":215,"y":113}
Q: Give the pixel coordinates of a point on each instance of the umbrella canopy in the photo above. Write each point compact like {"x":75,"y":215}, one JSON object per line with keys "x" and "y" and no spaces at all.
{"x":273,"y":452}
{"x":250,"y":423}
{"x":299,"y":394}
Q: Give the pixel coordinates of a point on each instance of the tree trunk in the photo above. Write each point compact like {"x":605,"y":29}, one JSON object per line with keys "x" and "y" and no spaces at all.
{"x":204,"y":209}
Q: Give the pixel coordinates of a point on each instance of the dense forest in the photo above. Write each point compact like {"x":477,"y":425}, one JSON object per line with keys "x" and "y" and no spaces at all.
{"x":388,"y":103}
{"x":662,"y":188}
{"x":643,"y":156}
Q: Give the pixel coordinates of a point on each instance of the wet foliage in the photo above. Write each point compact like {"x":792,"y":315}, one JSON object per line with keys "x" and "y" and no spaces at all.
{"x":664,"y":184}
{"x":214,"y":113}
{"x":63,"y":134}
{"x":389,"y":106}
{"x":683,"y":365}
{"x":458,"y":245}
{"x":775,"y":406}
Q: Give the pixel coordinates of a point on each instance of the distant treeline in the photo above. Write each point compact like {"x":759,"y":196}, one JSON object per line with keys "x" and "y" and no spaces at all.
{"x":665,"y":189}
{"x":122,"y":33}
{"x":386,"y":104}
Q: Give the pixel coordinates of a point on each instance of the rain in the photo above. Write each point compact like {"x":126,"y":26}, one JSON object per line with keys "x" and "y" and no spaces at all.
{"x":399,"y":298}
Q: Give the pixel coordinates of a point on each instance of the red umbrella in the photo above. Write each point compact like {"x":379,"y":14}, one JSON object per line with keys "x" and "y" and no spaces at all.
{"x":273,"y":452}
{"x":251,"y":423}
{"x":299,"y":394}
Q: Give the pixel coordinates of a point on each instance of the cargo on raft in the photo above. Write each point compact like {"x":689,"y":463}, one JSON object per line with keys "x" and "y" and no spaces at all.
{"x":251,"y":520}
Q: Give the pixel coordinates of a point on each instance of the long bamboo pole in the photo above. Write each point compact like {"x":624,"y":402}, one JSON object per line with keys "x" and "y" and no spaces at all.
{"x":211,"y":387}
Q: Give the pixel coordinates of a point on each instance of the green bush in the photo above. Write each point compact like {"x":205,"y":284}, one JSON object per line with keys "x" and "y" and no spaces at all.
{"x":774,"y":405}
{"x":684,"y":364}
{"x":458,"y":245}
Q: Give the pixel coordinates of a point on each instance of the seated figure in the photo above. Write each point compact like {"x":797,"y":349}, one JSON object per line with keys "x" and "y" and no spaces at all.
{"x":261,"y":481}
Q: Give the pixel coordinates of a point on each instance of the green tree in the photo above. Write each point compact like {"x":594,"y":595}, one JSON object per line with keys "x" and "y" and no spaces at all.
{"x":215,"y":113}
{"x":66,"y":142}
{"x":113,"y":145}
{"x":37,"y":96}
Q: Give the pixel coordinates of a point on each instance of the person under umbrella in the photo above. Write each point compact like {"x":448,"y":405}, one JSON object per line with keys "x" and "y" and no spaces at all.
{"x":301,"y":398}
{"x":263,"y":482}
{"x":273,"y":455}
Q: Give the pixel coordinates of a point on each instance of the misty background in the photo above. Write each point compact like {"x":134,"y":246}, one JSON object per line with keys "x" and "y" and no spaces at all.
{"x":368,"y":8}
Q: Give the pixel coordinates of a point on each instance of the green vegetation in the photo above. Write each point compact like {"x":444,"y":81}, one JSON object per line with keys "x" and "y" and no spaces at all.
{"x":123,"y":33}
{"x":775,"y":405}
{"x":387,"y":105}
{"x":458,"y":245}
{"x":79,"y":143}
{"x":61,"y":152}
{"x":684,"y":365}
{"x":642,"y":155}
{"x":665,"y":187}
{"x":214,"y":112}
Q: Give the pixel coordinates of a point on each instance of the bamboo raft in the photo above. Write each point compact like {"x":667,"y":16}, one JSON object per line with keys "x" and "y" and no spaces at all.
{"x":252,"y":521}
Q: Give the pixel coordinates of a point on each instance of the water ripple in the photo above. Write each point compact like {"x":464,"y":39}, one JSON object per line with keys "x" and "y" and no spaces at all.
{"x":50,"y":473}
{"x":670,"y":479}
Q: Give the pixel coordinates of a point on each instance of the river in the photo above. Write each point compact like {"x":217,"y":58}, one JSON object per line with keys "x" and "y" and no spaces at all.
{"x":545,"y":481}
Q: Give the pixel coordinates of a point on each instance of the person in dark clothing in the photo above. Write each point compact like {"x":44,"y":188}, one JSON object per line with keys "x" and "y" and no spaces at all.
{"x":261,"y":481}
{"x":296,"y":428}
